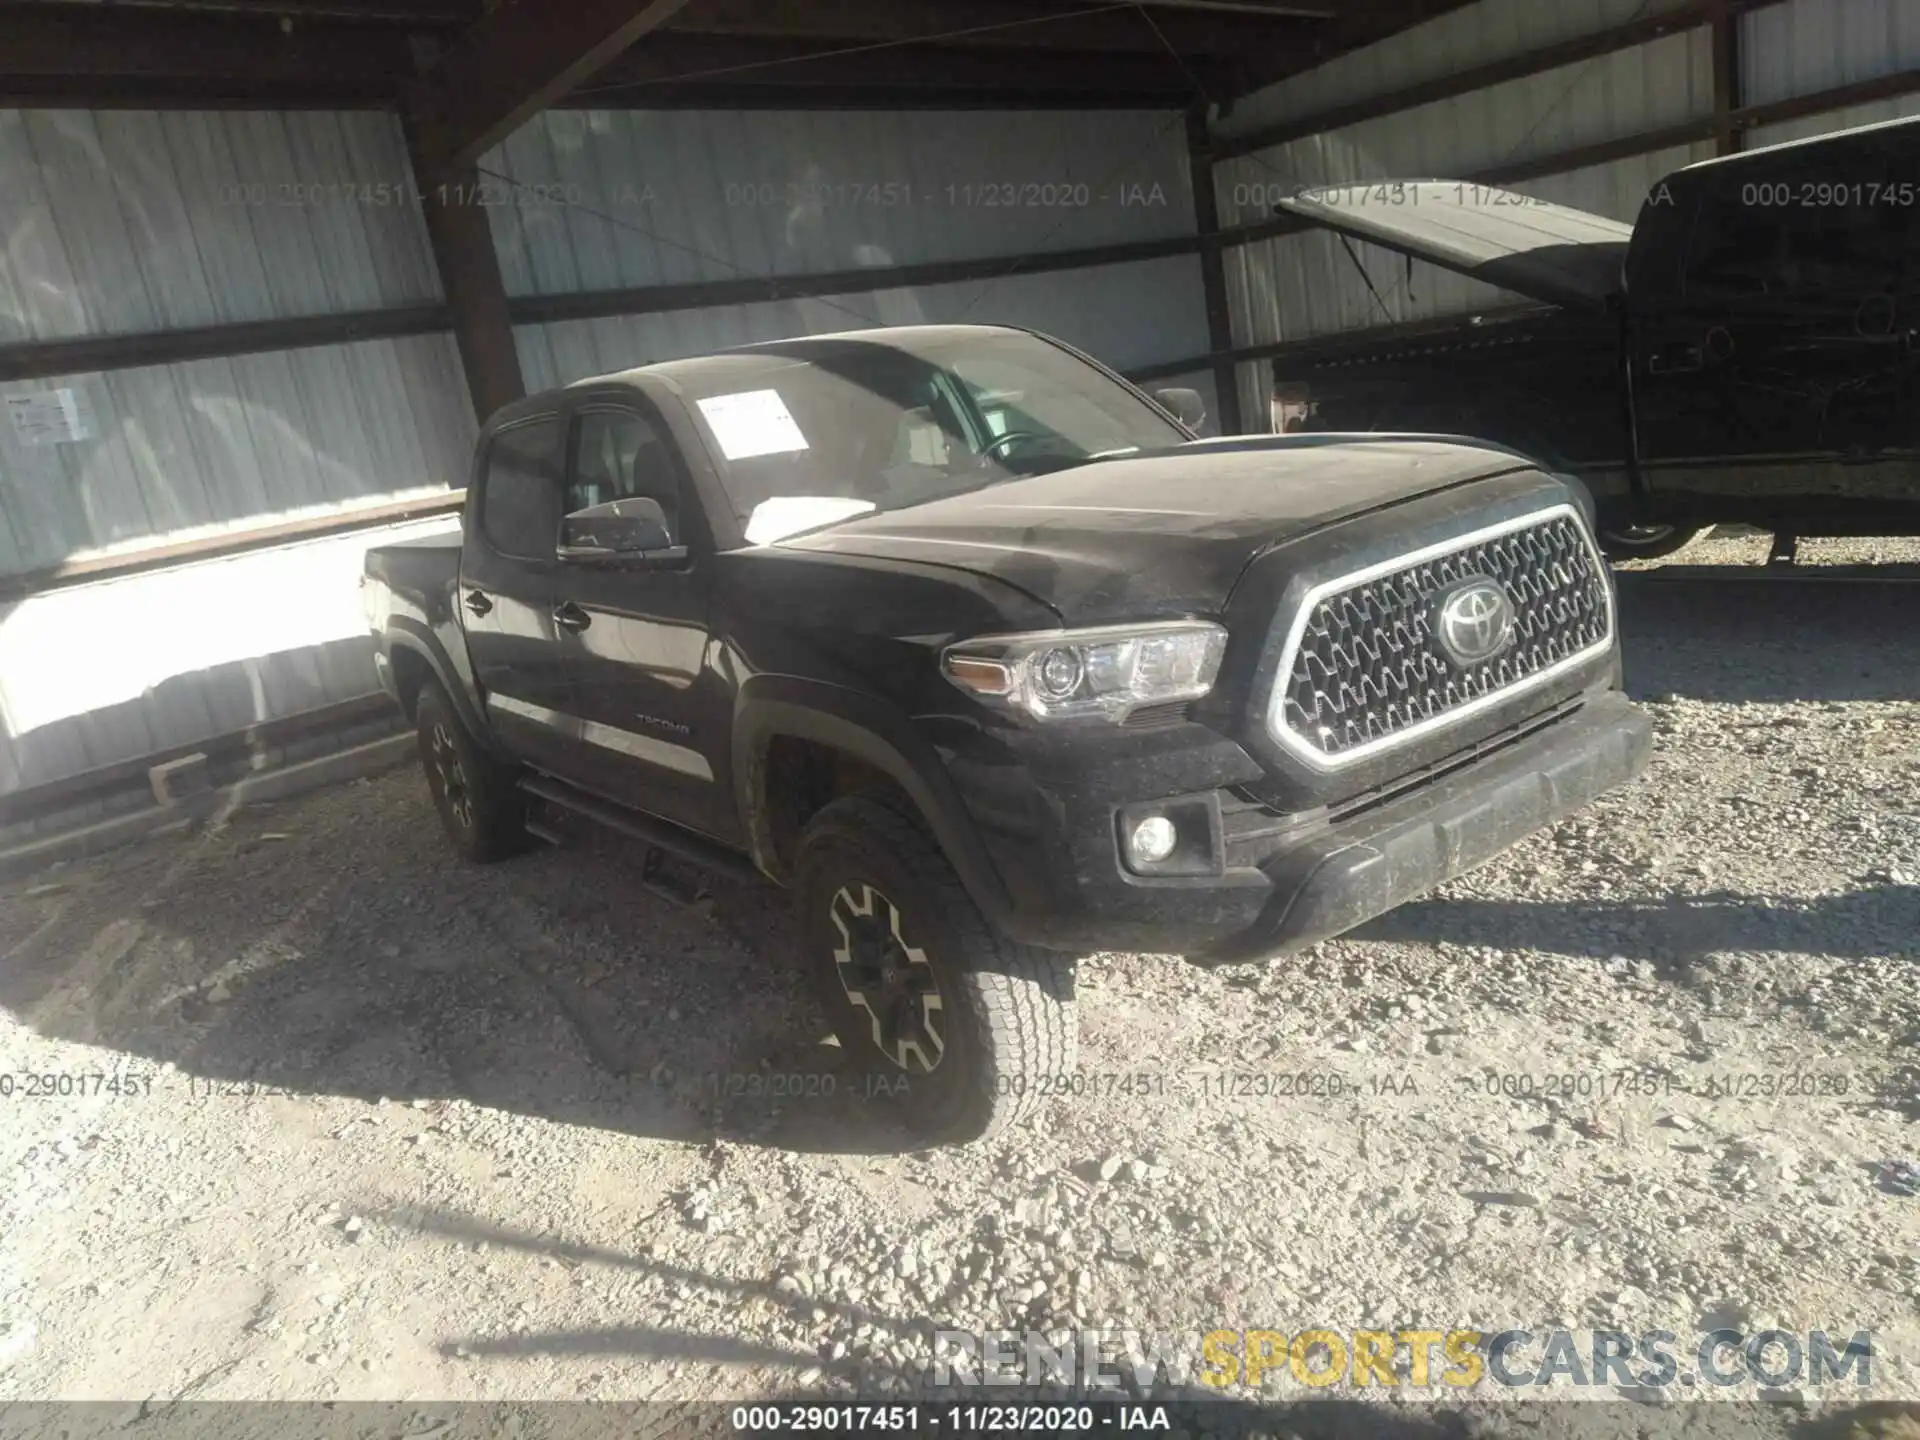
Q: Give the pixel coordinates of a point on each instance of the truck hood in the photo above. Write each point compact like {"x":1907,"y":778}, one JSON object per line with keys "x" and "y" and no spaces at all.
{"x":1546,"y":252}
{"x":1160,"y":534}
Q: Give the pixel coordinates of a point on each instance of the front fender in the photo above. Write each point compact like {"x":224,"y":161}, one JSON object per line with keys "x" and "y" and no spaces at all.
{"x":876,"y":733}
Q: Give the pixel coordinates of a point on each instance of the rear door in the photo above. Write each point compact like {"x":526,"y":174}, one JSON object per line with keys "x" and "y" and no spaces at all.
{"x":655,"y":716}
{"x":506,"y":594}
{"x":1780,"y":366}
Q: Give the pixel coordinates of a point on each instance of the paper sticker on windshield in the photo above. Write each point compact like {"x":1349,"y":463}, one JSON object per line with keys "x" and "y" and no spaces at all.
{"x":753,"y":422}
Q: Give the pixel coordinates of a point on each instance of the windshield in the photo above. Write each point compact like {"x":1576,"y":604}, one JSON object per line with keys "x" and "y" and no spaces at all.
{"x":813,"y":434}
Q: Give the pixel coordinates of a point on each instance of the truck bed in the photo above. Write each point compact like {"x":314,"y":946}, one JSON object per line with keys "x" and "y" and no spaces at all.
{"x":417,"y":568}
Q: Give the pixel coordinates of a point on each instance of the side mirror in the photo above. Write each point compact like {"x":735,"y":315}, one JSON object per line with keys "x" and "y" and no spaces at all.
{"x":1187,"y":405}
{"x":634,"y":528}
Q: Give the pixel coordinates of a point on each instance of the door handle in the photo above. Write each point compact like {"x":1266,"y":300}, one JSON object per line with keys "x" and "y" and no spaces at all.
{"x":478,"y":602}
{"x":1674,"y":358}
{"x":571,"y":618}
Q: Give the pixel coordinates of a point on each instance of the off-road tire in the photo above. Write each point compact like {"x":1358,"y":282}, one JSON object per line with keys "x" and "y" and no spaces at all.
{"x":1650,"y":542}
{"x":1006,"y":1019}
{"x":484,"y":815}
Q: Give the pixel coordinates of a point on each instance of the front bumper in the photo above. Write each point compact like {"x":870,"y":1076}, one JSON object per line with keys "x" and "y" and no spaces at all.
{"x":1323,"y":877}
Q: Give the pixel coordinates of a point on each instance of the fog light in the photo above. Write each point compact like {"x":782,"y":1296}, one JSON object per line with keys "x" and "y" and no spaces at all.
{"x":1151,"y":841}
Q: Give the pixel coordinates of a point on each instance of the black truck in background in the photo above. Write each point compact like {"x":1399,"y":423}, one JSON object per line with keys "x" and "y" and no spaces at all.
{"x":972,"y":645}
{"x":1748,"y":352}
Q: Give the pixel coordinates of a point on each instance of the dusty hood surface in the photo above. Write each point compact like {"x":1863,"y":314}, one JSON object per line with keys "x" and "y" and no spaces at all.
{"x":1547,"y":252}
{"x":1161,"y":534}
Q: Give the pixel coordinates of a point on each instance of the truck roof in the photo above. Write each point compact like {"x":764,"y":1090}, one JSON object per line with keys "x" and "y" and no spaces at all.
{"x":913,"y":339}
{"x":1744,"y":157}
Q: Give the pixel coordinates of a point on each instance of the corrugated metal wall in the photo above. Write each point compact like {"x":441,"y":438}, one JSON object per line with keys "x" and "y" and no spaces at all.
{"x":1303,"y":285}
{"x":219,"y":445}
{"x":130,"y":222}
{"x":617,"y":199}
{"x":124,"y":222}
{"x":1306,"y":285}
{"x":1454,"y":42}
{"x":1806,"y":46}
{"x":625,"y":198}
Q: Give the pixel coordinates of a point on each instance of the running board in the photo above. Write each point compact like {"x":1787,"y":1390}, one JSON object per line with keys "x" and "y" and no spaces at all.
{"x":541,"y":831}
{"x":659,"y":833}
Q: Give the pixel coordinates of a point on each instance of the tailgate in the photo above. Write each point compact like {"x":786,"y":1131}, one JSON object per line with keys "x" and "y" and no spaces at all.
{"x":1544,"y":251}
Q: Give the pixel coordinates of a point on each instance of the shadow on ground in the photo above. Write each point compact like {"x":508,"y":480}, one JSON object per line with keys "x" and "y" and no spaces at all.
{"x":1878,"y":920}
{"x":335,"y":946}
{"x":1744,"y":634}
{"x":1191,"y":1406}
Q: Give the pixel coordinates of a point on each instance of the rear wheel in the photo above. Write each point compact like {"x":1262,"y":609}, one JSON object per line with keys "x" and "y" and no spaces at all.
{"x":484,"y":815}
{"x":965,"y":1029}
{"x":1649,"y":542}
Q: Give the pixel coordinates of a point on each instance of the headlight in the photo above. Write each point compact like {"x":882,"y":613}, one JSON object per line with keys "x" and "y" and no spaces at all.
{"x":1103,"y":674}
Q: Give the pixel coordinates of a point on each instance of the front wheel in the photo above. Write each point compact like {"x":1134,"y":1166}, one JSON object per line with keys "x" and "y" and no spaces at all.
{"x":968,"y":1030}
{"x":1649,"y":542}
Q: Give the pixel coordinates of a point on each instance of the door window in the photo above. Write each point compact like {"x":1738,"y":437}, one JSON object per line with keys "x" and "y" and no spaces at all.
{"x":618,"y":455}
{"x":1802,"y":233}
{"x":520,"y":491}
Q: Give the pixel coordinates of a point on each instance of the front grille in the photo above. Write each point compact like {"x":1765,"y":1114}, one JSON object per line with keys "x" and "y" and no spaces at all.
{"x":1369,"y":668}
{"x":1254,"y":829}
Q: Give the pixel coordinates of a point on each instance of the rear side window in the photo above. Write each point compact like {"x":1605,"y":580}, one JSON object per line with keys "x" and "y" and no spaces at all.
{"x":1821,"y":228}
{"x":520,"y":495}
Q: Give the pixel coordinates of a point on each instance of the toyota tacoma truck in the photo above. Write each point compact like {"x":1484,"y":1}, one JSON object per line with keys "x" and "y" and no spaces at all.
{"x":972,"y":646}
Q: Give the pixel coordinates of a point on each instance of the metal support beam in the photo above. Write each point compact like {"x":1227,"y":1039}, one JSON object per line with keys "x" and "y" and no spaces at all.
{"x":462,"y":240}
{"x":1726,"y":76}
{"x":517,"y":60}
{"x":65,"y":50}
{"x":410,"y":13}
{"x":1084,"y":92}
{"x":674,"y":58}
{"x":41,"y":359}
{"x":755,"y":289}
{"x":994,"y":24}
{"x":1213,"y":272}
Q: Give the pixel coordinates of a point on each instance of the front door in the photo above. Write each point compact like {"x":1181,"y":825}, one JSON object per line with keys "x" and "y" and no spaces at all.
{"x":506,"y":596}
{"x":655,"y":717}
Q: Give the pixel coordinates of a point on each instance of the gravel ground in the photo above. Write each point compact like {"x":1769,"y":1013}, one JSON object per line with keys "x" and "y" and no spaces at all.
{"x":391,"y":1128}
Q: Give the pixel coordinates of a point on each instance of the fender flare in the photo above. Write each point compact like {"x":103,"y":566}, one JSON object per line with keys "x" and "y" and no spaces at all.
{"x":875,"y":733}
{"x":406,"y":633}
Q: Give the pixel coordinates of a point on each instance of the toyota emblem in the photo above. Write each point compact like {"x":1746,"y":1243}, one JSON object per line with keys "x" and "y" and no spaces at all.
{"x":1474,"y":621}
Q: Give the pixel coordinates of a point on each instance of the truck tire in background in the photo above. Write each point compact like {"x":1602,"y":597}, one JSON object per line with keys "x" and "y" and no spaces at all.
{"x":1649,"y":542}
{"x":485,"y":816}
{"x":965,"y":1029}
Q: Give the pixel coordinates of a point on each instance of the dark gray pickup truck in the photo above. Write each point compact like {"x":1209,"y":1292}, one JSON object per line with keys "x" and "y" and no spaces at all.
{"x":973,"y":646}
